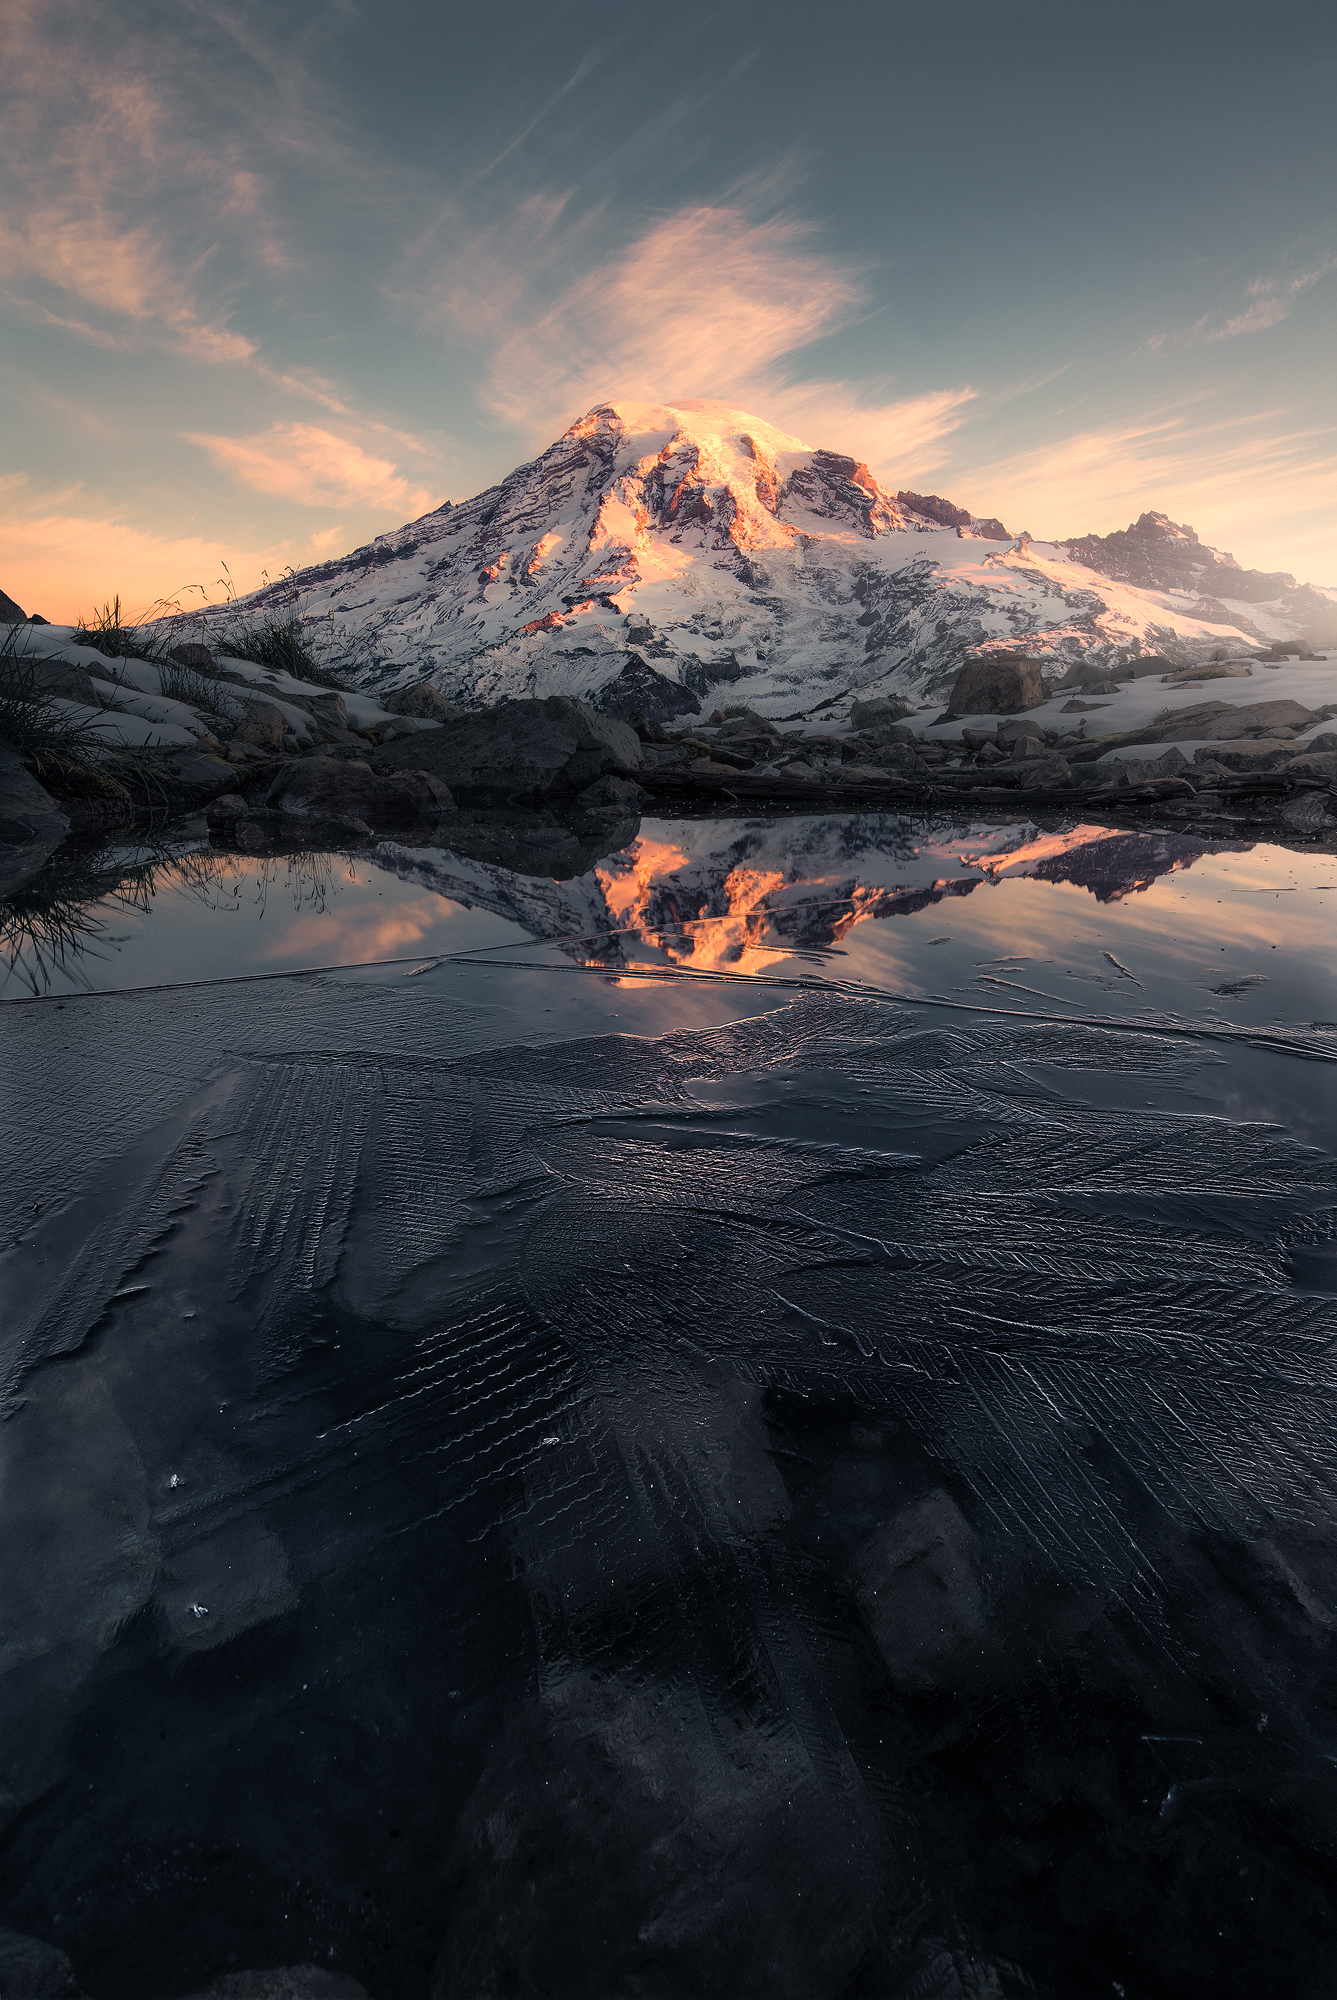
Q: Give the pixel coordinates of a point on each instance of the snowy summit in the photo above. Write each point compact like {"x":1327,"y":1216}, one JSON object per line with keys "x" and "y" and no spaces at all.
{"x":660,"y":558}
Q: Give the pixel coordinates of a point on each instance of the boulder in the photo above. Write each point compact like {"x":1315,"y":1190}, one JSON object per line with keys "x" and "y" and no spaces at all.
{"x":1313,"y":764}
{"x":919,"y":1589}
{"x":199,"y":775}
{"x":520,"y":748}
{"x":265,"y":725}
{"x":11,"y":614}
{"x":227,"y":810}
{"x":997,"y":684}
{"x":895,"y":757}
{"x":41,"y":679}
{"x":1139,"y":770}
{"x":422,"y":699}
{"x":284,"y":1982}
{"x":193,"y":655}
{"x":1047,"y":774}
{"x":1252,"y":753}
{"x":347,"y":788}
{"x":31,"y":1970}
{"x":27,"y":810}
{"x":1231,"y":720}
{"x":882,"y":709}
{"x":622,"y":795}
{"x":1311,"y":813}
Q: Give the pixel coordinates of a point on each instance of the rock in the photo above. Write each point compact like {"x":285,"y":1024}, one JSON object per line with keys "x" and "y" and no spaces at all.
{"x":920,"y":1594}
{"x":529,"y":748}
{"x":749,"y":727}
{"x":1233,"y":720}
{"x":422,"y":699}
{"x":1213,"y":670}
{"x":349,"y":789}
{"x":997,"y":684}
{"x":193,"y":655}
{"x":1313,"y":763}
{"x":31,"y":1970}
{"x":988,"y":753}
{"x":200,"y":775}
{"x":27,"y":810}
{"x":864,"y":774}
{"x":264,"y":726}
{"x":1016,"y":729}
{"x":895,"y":757}
{"x":1047,"y":774}
{"x":285,"y":1982}
{"x":1140,"y":770}
{"x":50,"y":677}
{"x":1314,"y":813}
{"x":227,"y":810}
{"x":880,"y":710}
{"x":613,"y":794}
{"x":1253,"y":753}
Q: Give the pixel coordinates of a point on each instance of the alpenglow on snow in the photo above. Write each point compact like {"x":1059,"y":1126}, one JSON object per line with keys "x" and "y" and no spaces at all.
{"x":661,"y":558}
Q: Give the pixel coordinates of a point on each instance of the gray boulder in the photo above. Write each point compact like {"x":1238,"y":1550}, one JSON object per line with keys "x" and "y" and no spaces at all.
{"x":346,"y":788}
{"x":31,"y":829}
{"x":530,"y":748}
{"x":1222,"y":720}
{"x":31,"y":1970}
{"x":284,"y":1982}
{"x":997,"y":684}
{"x":39,"y":680}
{"x":1047,"y":774}
{"x":199,"y":775}
{"x":921,"y":1597}
{"x":1313,"y":763}
{"x":422,"y":700}
{"x":622,"y":795}
{"x":878,"y":712}
{"x":265,"y":725}
{"x":1251,"y":753}
{"x":192,"y":654}
{"x":1313,"y":812}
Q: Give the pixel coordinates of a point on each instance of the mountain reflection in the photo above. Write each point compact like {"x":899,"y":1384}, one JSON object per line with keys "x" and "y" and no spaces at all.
{"x":738,"y":895}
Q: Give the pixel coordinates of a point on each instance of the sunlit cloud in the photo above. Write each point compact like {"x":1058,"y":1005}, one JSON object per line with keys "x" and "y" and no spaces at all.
{"x":315,"y":467}
{"x":1266,"y":303}
{"x":710,"y":302}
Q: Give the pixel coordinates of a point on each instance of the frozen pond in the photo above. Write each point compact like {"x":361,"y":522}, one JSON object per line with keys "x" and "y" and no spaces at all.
{"x":757,"y":1420}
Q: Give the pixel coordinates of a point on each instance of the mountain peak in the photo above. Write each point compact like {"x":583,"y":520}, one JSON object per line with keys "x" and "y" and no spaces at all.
{"x":658,"y":554}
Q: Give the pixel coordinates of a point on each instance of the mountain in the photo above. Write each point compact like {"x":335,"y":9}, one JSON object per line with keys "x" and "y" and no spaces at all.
{"x":739,"y":895}
{"x":659,"y":559}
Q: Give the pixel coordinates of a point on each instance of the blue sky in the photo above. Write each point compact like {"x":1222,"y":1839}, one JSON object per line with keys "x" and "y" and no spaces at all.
{"x":279,"y":277}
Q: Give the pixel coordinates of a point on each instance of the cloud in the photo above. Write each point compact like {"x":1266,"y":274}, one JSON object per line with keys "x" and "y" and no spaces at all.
{"x":899,"y":440}
{"x":64,"y":553}
{"x":1268,"y":302}
{"x":708,"y":303}
{"x":703,"y":302}
{"x":316,"y":467}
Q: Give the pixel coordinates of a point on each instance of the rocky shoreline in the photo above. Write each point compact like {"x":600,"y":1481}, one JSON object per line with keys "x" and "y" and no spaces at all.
{"x":273,"y":761}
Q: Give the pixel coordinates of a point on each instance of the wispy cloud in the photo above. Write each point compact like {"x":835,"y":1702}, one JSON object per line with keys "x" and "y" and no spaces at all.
{"x":1265,"y":303}
{"x":709,"y":302}
{"x":315,"y":467}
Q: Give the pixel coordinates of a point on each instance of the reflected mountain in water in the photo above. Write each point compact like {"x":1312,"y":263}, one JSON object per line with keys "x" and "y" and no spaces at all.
{"x":739,"y":894}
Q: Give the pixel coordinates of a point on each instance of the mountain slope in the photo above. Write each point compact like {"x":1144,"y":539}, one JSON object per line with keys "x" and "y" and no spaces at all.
{"x":659,"y":558}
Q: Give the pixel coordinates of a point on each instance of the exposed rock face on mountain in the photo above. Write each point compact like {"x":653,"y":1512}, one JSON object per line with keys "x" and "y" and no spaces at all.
{"x":658,"y":559}
{"x":1155,"y":553}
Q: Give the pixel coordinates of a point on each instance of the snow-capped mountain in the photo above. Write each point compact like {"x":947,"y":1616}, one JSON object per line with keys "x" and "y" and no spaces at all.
{"x":741,"y":895}
{"x":660,"y":559}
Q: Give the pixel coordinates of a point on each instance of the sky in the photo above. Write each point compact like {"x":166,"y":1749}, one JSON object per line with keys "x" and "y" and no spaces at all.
{"x":276,"y":278}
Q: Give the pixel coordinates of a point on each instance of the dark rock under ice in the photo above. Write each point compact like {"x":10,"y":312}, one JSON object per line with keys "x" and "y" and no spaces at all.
{"x":593,"y":1462}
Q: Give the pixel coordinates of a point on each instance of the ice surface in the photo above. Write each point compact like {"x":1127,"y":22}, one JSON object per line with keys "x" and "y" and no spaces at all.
{"x":743,"y":1491}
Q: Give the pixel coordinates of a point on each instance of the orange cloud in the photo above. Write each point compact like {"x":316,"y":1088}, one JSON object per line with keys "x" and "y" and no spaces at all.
{"x":316,"y":467}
